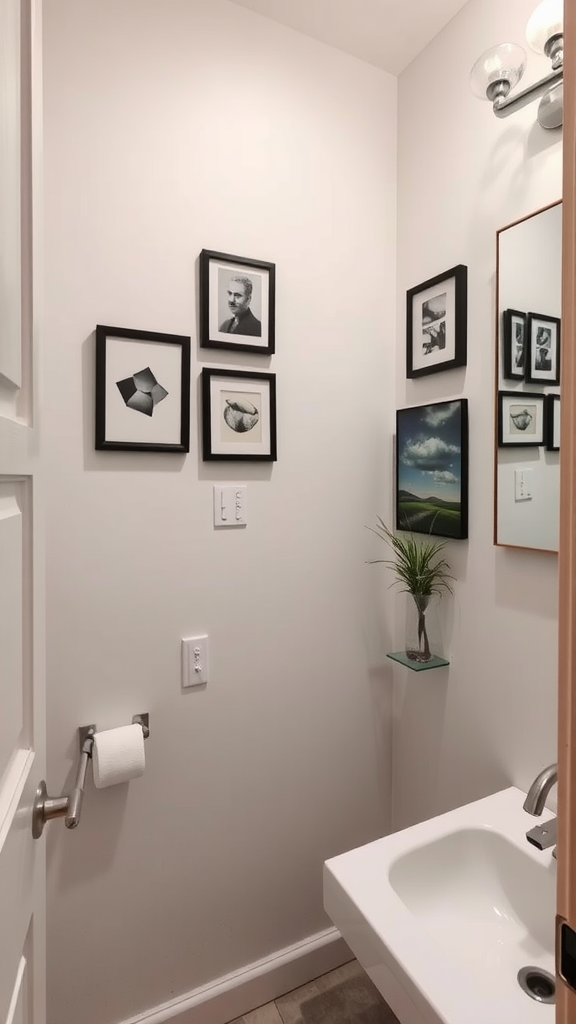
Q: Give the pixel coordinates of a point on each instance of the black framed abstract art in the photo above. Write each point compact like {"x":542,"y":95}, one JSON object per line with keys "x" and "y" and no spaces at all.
{"x":142,"y":390}
{"x":436,"y":323}
{"x":521,"y":419}
{"x":237,"y":302}
{"x":432,"y":469}
{"x":238,"y":415}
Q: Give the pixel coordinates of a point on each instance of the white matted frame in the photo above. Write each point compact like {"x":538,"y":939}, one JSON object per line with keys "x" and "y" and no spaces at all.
{"x":142,"y":390}
{"x":237,"y":302}
{"x":436,"y":323}
{"x":521,"y":419}
{"x":542,"y":364}
{"x":238,"y":415}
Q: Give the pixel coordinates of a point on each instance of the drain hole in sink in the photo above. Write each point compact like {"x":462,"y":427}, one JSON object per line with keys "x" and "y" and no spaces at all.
{"x":538,"y":984}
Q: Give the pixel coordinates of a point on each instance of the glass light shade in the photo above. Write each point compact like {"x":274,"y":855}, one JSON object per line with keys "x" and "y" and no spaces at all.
{"x":546,"y":21}
{"x":503,"y":63}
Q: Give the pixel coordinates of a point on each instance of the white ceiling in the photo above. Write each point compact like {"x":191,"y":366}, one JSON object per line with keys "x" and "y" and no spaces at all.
{"x":386,"y":33}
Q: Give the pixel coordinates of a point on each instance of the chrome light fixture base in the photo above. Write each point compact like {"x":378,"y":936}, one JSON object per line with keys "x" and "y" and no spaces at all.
{"x":497,"y":71}
{"x":550,"y":111}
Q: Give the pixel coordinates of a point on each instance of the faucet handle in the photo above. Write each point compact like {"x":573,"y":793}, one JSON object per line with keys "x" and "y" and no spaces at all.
{"x":544,"y":836}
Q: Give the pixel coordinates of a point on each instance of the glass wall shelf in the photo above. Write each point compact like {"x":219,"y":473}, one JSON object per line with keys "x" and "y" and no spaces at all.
{"x":417,"y":666}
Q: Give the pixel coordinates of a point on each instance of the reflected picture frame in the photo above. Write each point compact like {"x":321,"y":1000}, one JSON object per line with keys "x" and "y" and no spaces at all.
{"x":553,"y":423}
{"x":514,"y":326}
{"x":542,"y":365}
{"x":238,"y":415}
{"x":521,"y":419}
{"x":142,"y":391}
{"x":237,"y":303}
{"x":437,"y":323}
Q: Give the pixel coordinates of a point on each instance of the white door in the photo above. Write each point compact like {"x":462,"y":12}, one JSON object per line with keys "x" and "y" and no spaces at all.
{"x":22,"y":713}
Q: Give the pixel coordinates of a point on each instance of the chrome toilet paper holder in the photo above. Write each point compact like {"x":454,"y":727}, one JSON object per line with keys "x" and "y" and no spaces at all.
{"x":46,"y":808}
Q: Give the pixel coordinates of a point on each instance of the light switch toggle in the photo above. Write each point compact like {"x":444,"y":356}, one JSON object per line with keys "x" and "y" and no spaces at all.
{"x":230,"y":505}
{"x":194,"y":661}
{"x":522,"y":484}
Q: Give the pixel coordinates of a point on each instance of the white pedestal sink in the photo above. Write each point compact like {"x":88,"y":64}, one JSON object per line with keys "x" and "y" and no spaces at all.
{"x":443,"y":915}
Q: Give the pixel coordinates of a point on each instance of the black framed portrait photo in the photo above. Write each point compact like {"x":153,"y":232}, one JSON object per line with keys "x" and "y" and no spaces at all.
{"x":514,"y":344}
{"x":238,"y":415}
{"x":142,"y":390}
{"x":436,"y":323}
{"x":237,"y":303}
{"x":432,"y":469}
{"x":542,"y":349}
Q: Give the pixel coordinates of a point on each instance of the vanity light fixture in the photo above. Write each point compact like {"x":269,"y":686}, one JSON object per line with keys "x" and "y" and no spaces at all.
{"x":499,"y":69}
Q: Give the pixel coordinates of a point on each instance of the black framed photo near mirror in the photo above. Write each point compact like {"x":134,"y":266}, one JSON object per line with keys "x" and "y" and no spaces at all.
{"x":542,"y":363}
{"x":514,"y":343}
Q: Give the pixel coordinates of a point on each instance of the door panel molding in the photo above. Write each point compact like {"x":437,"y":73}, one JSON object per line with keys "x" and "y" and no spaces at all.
{"x":22,"y":635}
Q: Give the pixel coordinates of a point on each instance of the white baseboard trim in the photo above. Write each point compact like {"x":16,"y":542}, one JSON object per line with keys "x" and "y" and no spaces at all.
{"x":236,"y":994}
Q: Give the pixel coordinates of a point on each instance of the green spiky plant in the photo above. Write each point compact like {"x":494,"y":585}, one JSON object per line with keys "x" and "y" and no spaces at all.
{"x":420,"y":571}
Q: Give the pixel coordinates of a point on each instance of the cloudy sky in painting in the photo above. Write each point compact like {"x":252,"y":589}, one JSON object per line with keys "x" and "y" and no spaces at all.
{"x":429,"y":455}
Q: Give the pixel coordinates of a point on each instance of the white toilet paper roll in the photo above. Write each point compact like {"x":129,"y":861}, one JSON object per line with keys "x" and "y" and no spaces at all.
{"x":118,"y":755}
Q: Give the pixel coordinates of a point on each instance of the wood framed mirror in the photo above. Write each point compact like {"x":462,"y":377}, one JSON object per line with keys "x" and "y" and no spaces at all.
{"x":528,"y":359}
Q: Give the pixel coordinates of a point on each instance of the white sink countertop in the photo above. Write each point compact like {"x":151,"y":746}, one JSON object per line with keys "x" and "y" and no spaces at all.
{"x":443,"y":915}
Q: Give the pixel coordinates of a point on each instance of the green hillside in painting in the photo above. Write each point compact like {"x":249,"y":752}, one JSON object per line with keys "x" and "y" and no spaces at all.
{"x":429,"y":515}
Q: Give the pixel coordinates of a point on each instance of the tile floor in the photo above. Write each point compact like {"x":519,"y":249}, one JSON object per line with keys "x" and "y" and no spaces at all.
{"x":344,"y":996}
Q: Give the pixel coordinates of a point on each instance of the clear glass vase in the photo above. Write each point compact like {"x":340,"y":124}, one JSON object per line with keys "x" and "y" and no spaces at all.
{"x":423,"y":640}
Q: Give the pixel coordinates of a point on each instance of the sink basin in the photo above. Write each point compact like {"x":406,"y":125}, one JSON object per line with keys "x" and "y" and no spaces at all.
{"x":444,"y":914}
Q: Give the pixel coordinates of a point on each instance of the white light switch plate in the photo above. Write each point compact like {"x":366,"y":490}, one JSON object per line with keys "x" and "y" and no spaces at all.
{"x":522,"y":484}
{"x":230,"y":505}
{"x":194,"y":661}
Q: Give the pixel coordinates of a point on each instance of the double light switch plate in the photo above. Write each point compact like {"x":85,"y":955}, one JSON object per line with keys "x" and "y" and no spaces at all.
{"x":230,"y":505}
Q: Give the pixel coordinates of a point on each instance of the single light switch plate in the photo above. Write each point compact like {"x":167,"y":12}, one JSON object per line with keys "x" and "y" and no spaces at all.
{"x":194,"y":661}
{"x":230,"y":505}
{"x":522,"y":484}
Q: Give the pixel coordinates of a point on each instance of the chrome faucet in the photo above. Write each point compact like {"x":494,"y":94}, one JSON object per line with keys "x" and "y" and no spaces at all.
{"x":539,"y":790}
{"x":542,"y":836}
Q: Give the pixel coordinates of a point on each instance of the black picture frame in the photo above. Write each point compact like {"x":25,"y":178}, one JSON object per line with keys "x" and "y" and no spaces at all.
{"x":553,"y":423}
{"x":521,"y":419}
{"x":251,"y":286}
{"x":432,"y":469}
{"x":437,"y":323}
{"x":235,"y":402}
{"x":142,"y":391}
{"x":514,"y":329}
{"x":542,"y":350}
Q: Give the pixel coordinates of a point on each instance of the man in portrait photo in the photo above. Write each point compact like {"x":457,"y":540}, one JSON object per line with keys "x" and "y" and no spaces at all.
{"x":238,"y":297}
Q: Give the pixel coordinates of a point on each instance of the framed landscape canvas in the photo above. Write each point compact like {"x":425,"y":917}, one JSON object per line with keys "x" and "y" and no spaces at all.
{"x":432,"y":469}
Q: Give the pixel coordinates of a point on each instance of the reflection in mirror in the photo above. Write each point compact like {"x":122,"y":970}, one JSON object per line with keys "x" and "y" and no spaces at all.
{"x":528,"y":304}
